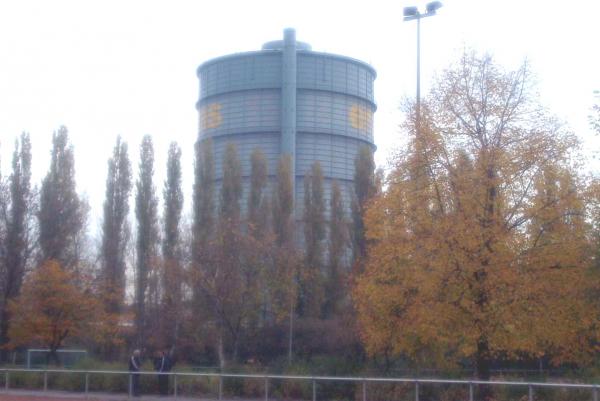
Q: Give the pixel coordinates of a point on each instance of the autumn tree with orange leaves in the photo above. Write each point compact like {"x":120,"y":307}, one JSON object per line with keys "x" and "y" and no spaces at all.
{"x":479,"y":244}
{"x":54,"y":307}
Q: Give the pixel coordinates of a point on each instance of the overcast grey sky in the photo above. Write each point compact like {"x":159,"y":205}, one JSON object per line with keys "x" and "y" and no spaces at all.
{"x":104,"y":68}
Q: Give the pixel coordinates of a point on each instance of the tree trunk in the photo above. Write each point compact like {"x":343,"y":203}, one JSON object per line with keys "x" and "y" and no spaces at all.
{"x":234,"y":355}
{"x":291,"y":333}
{"x":221,"y":351}
{"x":482,"y":368}
{"x":176,"y":332}
{"x":52,"y":358}
{"x":4,"y":334}
{"x":482,"y":363}
{"x":140,"y":322}
{"x":236,"y":346}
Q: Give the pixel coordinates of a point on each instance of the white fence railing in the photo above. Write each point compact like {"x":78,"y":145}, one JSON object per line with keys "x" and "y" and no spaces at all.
{"x":530,"y":387}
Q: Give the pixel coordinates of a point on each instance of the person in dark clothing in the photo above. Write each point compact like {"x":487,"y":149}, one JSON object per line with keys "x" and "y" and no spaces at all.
{"x":134,"y":367}
{"x":162,"y":364}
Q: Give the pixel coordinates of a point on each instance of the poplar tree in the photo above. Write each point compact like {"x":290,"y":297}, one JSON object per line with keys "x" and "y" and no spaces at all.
{"x":257,"y":200}
{"x":4,"y":202}
{"x":231,"y":189}
{"x":338,"y":245}
{"x":284,"y":278}
{"x":146,"y":205}
{"x":115,"y":227}
{"x":203,"y":201}
{"x":258,"y":230}
{"x":203,"y":225}
{"x":594,"y":117}
{"x":283,"y":203}
{"x":62,"y":214}
{"x":311,"y":291}
{"x":225,"y":278}
{"x":18,"y":223}
{"x":230,"y":290}
{"x":594,"y":120}
{"x":171,"y":246}
{"x":364,"y":189}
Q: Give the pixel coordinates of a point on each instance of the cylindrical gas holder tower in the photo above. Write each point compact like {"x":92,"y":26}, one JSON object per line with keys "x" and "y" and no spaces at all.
{"x":288,"y":99}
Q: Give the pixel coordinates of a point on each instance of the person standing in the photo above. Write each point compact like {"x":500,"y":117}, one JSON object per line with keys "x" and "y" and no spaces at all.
{"x":134,"y":368}
{"x":162,"y":364}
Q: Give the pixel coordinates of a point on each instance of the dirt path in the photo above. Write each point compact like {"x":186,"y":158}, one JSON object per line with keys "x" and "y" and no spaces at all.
{"x":24,"y":395}
{"x":58,"y":396}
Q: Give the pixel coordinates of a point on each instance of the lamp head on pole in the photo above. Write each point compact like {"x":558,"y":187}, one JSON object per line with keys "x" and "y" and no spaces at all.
{"x":433,"y":7}
{"x":410,"y":11}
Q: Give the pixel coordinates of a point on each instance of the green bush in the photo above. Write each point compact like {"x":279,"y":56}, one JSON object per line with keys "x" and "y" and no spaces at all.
{"x":385,"y":391}
{"x":26,"y":380}
{"x":66,"y":381}
{"x":254,"y":387}
{"x":103,"y":382}
{"x":197,"y":386}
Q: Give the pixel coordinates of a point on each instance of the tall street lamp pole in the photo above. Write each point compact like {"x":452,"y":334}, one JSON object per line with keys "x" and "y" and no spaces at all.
{"x":412,"y":13}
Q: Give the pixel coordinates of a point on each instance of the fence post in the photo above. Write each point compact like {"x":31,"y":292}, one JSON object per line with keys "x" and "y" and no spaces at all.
{"x":266,"y":388}
{"x":175,"y":385}
{"x":87,"y":384}
{"x":364,"y":390}
{"x":6,"y":379}
{"x":130,"y":385}
{"x":595,"y":393}
{"x":45,"y":380}
{"x":470,"y":391}
{"x":530,"y":392}
{"x":314,"y":388}
{"x":416,"y":390}
{"x":220,"y":386}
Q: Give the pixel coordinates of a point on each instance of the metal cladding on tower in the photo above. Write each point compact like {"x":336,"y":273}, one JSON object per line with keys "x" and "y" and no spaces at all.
{"x":288,"y":99}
